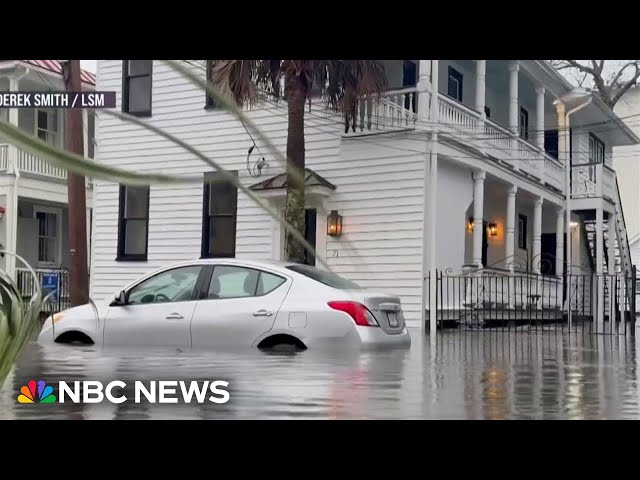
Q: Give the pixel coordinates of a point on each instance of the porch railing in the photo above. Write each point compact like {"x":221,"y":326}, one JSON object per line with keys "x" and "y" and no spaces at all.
{"x":395,"y":109}
{"x":468,"y":126}
{"x":530,"y":302}
{"x":27,"y":287}
{"x":28,"y":163}
{"x":4,"y":157}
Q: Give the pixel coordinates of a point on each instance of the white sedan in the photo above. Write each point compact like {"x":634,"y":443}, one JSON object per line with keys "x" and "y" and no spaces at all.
{"x":218,"y":303}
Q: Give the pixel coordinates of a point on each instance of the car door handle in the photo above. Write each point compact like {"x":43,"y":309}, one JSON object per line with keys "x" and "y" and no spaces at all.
{"x":262,"y":313}
{"x":174,"y":316}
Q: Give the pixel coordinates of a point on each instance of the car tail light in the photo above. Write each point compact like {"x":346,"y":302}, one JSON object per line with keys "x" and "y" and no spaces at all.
{"x":360,"y":314}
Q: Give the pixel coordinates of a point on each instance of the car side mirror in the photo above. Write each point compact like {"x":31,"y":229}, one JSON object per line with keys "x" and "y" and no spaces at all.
{"x":121,"y":299}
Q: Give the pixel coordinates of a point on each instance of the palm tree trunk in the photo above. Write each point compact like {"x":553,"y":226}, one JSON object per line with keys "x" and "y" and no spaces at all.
{"x":294,"y":213}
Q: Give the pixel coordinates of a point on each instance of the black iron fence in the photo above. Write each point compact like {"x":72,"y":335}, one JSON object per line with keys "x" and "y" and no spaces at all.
{"x":500,"y":300}
{"x":49,"y":280}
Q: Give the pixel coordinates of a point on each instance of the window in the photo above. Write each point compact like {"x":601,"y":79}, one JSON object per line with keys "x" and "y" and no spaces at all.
{"x":49,"y":225}
{"x":136,"y":87}
{"x":310,"y":215}
{"x":219,"y":217}
{"x":487,"y":112}
{"x":326,"y":278}
{"x":596,"y":155}
{"x":524,"y":123}
{"x":47,"y":125}
{"x":522,"y":232}
{"x":175,"y":285}
{"x":239,"y":282}
{"x":133,"y":223}
{"x":454,"y":86}
{"x":210,"y":102}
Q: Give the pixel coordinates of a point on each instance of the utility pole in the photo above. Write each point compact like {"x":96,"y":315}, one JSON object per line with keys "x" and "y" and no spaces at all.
{"x":74,"y":143}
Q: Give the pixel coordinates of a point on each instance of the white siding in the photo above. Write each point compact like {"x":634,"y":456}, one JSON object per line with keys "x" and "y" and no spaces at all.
{"x":379,"y":184}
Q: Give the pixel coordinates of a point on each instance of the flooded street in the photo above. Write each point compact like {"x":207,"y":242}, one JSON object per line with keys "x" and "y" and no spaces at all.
{"x":462,"y":376}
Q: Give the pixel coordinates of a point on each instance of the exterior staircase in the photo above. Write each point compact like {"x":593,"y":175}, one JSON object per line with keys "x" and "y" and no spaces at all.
{"x":623,"y":266}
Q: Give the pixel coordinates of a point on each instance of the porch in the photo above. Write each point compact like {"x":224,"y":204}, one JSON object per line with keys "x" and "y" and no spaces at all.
{"x":53,"y":282}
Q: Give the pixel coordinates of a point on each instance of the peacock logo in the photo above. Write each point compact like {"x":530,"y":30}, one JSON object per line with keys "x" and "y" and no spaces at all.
{"x":44,"y":393}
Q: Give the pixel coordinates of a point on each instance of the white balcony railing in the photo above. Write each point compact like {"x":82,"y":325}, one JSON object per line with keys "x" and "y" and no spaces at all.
{"x":609,"y":189}
{"x":498,"y":142}
{"x":4,"y":157}
{"x":394,"y":110}
{"x":28,"y":163}
{"x":553,"y":172}
{"x":583,"y":183}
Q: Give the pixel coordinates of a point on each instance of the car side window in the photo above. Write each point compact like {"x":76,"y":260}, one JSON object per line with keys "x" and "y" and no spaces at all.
{"x":176,"y":285}
{"x":268,"y":282}
{"x":239,"y":282}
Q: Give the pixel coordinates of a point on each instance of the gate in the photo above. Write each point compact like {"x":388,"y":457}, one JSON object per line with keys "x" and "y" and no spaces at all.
{"x":498,"y":300}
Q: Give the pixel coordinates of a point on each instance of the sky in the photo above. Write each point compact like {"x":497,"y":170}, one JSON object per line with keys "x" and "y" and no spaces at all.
{"x":89,"y":65}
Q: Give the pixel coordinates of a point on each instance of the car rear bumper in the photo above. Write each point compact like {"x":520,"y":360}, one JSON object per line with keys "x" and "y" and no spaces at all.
{"x":376,"y":337}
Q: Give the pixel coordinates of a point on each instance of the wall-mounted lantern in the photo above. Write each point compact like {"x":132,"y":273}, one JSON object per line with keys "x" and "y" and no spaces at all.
{"x":493,"y":229}
{"x":470,"y":224}
{"x":2,"y":210}
{"x":334,"y":224}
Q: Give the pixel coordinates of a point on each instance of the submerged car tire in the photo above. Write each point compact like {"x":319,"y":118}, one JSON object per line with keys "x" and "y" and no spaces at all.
{"x":74,"y":337}
{"x":282,"y":343}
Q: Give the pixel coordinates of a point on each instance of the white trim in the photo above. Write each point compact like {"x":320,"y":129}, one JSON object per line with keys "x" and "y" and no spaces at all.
{"x":57,"y":211}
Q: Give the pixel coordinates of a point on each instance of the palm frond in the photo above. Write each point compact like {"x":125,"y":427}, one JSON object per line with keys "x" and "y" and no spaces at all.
{"x":234,"y":79}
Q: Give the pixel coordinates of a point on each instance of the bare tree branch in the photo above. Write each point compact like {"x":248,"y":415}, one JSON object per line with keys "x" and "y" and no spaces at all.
{"x":609,"y":86}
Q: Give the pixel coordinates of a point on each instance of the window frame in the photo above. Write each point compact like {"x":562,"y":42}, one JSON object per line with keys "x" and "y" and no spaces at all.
{"x":203,"y":294}
{"x":47,"y":209}
{"x":121,"y":255}
{"x":195,"y":295}
{"x":453,"y":74}
{"x":522,"y":231}
{"x":598,"y":147}
{"x":206,"y":218}
{"x":126,"y":91}
{"x":56,"y":133}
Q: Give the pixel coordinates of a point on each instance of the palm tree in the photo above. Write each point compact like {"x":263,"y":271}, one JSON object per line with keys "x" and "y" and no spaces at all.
{"x":342,"y":84}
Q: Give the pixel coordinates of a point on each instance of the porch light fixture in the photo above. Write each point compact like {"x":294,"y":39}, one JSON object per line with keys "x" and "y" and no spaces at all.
{"x":334,"y":224}
{"x":470,"y":224}
{"x":2,"y":210}
{"x":493,"y":229}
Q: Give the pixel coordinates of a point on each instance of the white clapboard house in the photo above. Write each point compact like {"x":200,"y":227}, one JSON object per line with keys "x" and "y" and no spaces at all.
{"x":500,"y":181}
{"x":33,"y":193}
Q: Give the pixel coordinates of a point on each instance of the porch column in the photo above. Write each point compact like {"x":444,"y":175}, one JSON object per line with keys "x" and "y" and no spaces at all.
{"x":478,"y":204}
{"x":424,"y":89}
{"x":481,"y":66}
{"x":599,"y":269}
{"x":513,"y":96}
{"x":89,"y":229}
{"x":540,"y":117}
{"x":560,"y":242}
{"x":537,"y":235}
{"x":510,"y":240}
{"x":611,"y":264}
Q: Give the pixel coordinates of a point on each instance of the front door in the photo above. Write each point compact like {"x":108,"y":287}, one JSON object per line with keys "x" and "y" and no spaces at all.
{"x":241,"y":305}
{"x":158,"y":311}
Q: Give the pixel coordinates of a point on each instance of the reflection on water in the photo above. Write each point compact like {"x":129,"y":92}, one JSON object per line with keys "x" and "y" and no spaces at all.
{"x":469,"y":376}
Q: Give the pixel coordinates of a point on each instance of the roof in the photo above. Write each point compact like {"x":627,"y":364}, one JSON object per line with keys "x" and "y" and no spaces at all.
{"x":311,"y":179}
{"x":561,"y":86}
{"x":56,"y":67}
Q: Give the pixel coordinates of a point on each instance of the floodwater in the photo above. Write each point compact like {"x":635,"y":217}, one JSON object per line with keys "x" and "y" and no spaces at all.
{"x":460,"y":376}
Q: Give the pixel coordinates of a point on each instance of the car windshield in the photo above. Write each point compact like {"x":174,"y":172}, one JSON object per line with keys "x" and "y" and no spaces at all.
{"x":327,"y":278}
